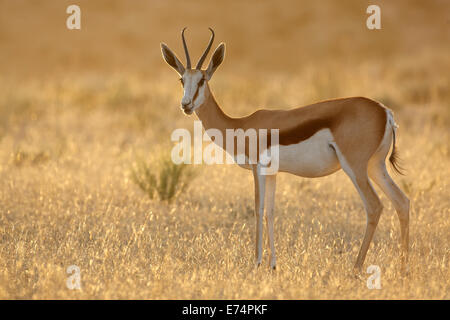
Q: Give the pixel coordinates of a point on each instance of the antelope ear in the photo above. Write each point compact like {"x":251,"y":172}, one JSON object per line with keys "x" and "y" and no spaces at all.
{"x":216,"y":60}
{"x":172,"y":59}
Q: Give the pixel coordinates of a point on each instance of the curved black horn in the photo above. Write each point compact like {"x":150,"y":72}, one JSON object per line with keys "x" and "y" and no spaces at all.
{"x":202,"y":59}
{"x":188,"y":59}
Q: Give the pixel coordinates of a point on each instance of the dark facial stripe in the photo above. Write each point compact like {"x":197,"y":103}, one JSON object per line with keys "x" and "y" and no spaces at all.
{"x":196,"y":92}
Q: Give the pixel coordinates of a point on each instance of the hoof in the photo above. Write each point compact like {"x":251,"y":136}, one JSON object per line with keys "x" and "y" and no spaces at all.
{"x":357,"y":271}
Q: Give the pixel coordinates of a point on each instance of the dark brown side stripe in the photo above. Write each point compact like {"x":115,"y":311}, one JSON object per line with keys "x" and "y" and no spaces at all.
{"x":303,"y":131}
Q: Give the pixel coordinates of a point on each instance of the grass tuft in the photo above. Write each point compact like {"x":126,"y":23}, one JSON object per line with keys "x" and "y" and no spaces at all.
{"x":164,"y":178}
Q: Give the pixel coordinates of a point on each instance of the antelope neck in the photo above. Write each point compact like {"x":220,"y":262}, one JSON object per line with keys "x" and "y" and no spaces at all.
{"x":212,"y":116}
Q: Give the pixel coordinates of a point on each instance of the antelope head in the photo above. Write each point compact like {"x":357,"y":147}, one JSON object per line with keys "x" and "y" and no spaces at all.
{"x":194,"y":81}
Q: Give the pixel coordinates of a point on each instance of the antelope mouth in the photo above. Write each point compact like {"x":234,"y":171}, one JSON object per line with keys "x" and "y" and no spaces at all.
{"x":187,"y":110}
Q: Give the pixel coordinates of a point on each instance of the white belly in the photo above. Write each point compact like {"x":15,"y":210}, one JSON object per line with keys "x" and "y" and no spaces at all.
{"x":310,"y":158}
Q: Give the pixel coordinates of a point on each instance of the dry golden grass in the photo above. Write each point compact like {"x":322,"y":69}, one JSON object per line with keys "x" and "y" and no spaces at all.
{"x":68,"y":143}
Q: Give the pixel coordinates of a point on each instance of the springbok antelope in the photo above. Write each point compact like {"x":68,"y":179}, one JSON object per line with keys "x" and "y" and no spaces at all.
{"x":316,"y":140}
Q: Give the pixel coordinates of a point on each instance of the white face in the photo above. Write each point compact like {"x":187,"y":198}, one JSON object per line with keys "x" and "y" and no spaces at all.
{"x":194,"y":81}
{"x":194,"y":86}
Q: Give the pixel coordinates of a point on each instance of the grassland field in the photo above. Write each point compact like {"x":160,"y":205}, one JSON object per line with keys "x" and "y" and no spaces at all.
{"x":78,"y":109}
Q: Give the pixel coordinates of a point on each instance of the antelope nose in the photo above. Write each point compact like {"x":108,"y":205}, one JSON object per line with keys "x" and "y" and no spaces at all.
{"x":185,"y":103}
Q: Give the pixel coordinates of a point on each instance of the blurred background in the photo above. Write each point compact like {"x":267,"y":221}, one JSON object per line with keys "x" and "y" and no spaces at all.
{"x":86,"y":117}
{"x":262,"y":36}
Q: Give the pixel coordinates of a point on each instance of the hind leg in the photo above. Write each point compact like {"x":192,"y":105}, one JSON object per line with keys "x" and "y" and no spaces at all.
{"x":379,"y":174}
{"x":373,"y":207}
{"x":372,"y":204}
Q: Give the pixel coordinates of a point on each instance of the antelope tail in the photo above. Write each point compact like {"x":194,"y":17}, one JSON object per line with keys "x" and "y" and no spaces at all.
{"x":394,"y":158}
